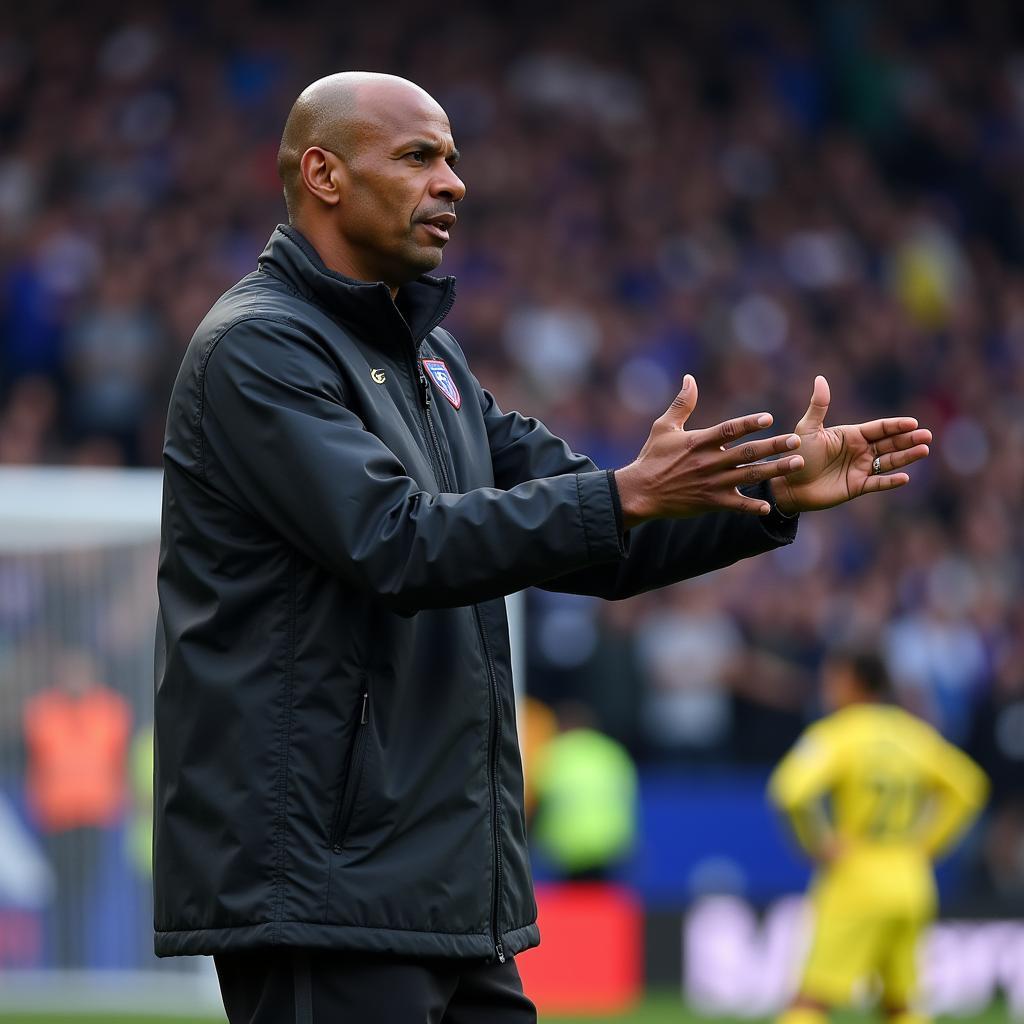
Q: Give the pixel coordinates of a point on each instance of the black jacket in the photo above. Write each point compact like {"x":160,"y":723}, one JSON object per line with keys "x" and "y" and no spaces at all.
{"x":344,"y":509}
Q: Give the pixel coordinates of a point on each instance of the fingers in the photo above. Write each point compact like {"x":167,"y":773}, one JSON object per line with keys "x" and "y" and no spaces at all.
{"x":683,"y":404}
{"x":755,"y":474}
{"x":902,"y":441}
{"x":876,"y":430}
{"x":885,"y":482}
{"x":737,"y":502}
{"x":897,"y":460}
{"x":732,"y":430}
{"x":821,"y":396}
{"x":754,"y":451}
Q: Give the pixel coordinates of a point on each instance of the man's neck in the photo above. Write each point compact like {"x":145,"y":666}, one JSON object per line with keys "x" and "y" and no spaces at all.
{"x":335,"y":256}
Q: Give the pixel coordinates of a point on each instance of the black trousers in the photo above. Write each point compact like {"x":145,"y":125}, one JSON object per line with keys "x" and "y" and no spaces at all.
{"x":75,"y":856}
{"x":299,"y":986}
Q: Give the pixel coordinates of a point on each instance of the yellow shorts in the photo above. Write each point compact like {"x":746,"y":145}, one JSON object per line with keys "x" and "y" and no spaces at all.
{"x":850,"y":948}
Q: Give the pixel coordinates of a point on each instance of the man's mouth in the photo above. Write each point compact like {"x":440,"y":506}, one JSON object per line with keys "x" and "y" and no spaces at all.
{"x":439,"y":225}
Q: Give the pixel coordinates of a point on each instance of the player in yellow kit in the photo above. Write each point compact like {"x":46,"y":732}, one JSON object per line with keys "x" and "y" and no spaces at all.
{"x":874,"y":795}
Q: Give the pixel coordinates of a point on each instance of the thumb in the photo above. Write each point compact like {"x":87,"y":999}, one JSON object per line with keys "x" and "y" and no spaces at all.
{"x":684,"y":403}
{"x":814,"y":418}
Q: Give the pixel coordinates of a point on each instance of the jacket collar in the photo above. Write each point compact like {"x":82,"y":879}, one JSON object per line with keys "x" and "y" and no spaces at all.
{"x":363,"y":305}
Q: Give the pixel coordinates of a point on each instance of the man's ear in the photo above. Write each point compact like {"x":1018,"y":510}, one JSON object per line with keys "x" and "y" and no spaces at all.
{"x":323,"y":175}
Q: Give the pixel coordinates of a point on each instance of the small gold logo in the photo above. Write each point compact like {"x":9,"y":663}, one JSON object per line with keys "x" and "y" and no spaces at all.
{"x":378,"y":376}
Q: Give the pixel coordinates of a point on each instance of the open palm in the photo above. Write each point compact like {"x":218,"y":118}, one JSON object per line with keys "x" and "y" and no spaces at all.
{"x":838,"y":461}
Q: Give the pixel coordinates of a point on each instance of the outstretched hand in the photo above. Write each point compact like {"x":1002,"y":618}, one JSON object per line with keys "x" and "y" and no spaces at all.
{"x":839,"y":461}
{"x":681,"y":473}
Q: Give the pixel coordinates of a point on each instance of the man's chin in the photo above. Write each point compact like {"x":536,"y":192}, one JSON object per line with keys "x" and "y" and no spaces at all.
{"x":415,"y":263}
{"x":428,"y":259}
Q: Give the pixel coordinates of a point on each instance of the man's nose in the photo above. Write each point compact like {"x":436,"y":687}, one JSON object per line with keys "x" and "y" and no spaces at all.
{"x":448,"y":185}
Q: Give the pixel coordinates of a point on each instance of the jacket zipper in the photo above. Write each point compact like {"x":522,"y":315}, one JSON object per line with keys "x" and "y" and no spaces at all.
{"x":495,"y":696}
{"x":347,"y":797}
{"x":434,"y":442}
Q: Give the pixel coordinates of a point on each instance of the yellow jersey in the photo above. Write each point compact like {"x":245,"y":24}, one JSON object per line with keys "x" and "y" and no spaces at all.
{"x":892,"y":793}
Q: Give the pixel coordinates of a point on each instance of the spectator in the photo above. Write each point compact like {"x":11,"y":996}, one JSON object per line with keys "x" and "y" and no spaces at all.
{"x":586,"y":789}
{"x":689,"y":650}
{"x":76,"y":734}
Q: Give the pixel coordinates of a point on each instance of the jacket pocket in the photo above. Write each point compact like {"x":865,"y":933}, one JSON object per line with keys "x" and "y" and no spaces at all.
{"x":353,"y":774}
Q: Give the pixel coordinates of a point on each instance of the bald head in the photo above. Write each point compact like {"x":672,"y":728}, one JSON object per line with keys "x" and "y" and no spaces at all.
{"x":338,"y":113}
{"x":368,"y":165}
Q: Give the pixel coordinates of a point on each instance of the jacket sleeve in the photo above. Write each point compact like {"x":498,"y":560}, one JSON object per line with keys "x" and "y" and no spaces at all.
{"x":275,"y":427}
{"x":659,"y":552}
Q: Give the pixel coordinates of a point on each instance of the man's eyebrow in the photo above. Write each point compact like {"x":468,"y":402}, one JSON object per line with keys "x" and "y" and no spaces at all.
{"x":431,"y":146}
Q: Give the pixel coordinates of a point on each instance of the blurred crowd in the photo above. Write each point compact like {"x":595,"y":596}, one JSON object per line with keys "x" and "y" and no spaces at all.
{"x":752,"y":192}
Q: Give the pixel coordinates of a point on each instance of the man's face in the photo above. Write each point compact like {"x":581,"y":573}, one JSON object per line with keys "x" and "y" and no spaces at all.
{"x":398,"y":205}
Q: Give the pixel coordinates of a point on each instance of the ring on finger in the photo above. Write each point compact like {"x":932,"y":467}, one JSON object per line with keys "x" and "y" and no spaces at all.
{"x":876,"y":466}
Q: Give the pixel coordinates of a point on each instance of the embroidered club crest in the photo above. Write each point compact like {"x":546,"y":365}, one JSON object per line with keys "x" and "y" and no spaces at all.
{"x":443,"y":379}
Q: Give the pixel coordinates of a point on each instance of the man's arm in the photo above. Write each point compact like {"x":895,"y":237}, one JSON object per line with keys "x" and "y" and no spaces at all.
{"x":797,"y":786}
{"x":665,"y":551}
{"x":682,"y":473}
{"x":659,"y":551}
{"x":279,"y":443}
{"x":960,"y":791}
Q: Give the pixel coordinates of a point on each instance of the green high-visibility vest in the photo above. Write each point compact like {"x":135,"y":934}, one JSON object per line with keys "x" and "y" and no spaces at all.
{"x":586,"y":791}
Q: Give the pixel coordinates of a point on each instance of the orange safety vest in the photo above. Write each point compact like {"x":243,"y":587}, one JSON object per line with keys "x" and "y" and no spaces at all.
{"x":76,"y":757}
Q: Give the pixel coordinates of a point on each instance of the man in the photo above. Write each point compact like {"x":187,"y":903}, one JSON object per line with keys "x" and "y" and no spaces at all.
{"x":339,"y":794}
{"x":76,"y":738}
{"x":900,"y":795}
{"x":586,"y":788}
